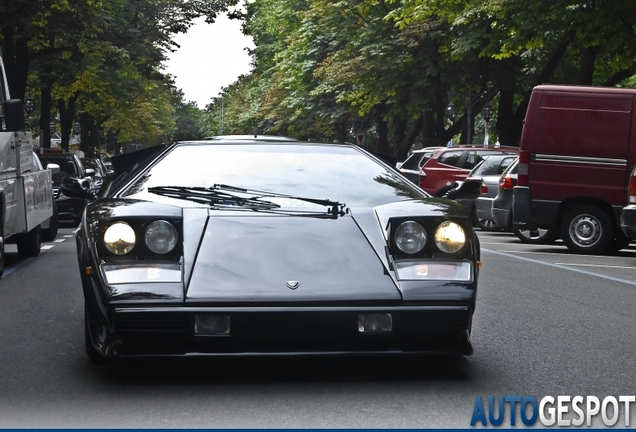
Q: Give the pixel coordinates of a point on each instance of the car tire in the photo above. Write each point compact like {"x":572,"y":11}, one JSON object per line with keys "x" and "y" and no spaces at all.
{"x":536,"y":236}
{"x":29,"y":243}
{"x":443,"y":191}
{"x":587,"y":230}
{"x":50,"y":233}
{"x":93,"y":355}
{"x":620,"y":242}
{"x":1,"y":250}
{"x":485,"y":224}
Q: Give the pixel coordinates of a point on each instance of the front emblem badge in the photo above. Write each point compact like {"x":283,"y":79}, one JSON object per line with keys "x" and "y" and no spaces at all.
{"x":292,"y":284}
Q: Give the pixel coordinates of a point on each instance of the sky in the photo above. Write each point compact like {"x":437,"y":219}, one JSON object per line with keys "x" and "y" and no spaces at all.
{"x":211,"y":56}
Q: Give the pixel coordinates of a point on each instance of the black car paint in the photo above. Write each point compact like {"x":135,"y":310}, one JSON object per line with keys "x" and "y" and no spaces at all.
{"x":334,"y":288}
{"x":69,"y":208}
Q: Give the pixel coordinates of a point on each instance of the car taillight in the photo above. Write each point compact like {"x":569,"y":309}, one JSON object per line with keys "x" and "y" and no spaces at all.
{"x":422,"y":177}
{"x":632,"y":187}
{"x":506,"y":182}
{"x":523,"y":168}
{"x":484,"y":188}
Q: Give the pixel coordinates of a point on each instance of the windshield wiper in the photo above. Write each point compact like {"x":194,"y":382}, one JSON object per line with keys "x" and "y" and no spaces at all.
{"x":335,"y":208}
{"x":220,"y":194}
{"x":212,"y":197}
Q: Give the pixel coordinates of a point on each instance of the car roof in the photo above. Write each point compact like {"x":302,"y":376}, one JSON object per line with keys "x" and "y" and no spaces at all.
{"x":426,"y":149}
{"x":249,"y":138}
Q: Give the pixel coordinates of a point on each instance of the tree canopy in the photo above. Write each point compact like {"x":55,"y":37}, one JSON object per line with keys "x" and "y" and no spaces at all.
{"x":321,"y":68}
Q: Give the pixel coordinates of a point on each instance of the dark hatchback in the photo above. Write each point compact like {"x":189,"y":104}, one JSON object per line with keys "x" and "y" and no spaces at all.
{"x":70,"y":209}
{"x":478,"y":190}
{"x":244,"y":247}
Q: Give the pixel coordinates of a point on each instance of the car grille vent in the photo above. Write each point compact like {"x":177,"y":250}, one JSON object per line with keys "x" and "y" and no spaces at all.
{"x":149,"y":322}
{"x":425,"y":321}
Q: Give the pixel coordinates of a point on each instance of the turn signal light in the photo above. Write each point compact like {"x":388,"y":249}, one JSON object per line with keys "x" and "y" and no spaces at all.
{"x":632,"y":187}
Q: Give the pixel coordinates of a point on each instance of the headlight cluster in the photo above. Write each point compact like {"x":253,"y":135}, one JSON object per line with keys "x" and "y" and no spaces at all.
{"x":410,"y":237}
{"x":160,"y":237}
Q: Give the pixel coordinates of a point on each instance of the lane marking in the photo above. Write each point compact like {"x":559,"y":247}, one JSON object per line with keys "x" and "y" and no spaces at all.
{"x":551,"y":253}
{"x":597,"y":265}
{"x":46,"y":247}
{"x":58,"y":240}
{"x":562,"y":267}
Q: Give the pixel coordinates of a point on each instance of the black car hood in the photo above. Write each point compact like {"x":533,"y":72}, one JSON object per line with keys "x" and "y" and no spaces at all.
{"x":269,"y":258}
{"x":232,"y":256}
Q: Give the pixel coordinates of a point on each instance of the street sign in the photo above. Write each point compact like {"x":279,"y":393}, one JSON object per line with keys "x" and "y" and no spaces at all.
{"x":360,"y":139}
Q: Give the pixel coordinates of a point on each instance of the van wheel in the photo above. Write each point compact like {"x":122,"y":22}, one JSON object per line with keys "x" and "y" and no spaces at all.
{"x":535,"y":236}
{"x":29,"y":244}
{"x":587,"y":230}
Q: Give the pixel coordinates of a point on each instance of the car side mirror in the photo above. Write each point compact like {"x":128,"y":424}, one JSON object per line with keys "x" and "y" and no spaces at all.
{"x":55,"y":168}
{"x":73,"y":188}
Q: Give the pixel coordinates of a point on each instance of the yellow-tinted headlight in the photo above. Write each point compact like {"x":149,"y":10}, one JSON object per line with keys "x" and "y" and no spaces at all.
{"x":119,"y":238}
{"x":450,"y":237}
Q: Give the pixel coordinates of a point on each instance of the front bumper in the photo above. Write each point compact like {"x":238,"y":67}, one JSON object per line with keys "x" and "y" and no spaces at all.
{"x":169,"y":331}
{"x":628,"y":221}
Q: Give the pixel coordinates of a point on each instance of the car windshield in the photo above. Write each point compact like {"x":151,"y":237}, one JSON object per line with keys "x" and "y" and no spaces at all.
{"x":492,"y":165}
{"x":412,"y":162}
{"x":334,"y":172}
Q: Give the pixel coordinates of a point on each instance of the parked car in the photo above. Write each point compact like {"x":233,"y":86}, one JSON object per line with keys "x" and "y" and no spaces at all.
{"x":228,"y":247}
{"x":451,"y":164}
{"x":478,"y":190}
{"x":501,"y":211}
{"x":69,"y":208}
{"x":577,"y":149}
{"x":628,"y":214}
{"x":412,"y":165}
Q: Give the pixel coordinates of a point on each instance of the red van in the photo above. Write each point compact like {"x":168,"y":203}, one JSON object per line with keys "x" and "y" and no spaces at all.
{"x":577,"y":150}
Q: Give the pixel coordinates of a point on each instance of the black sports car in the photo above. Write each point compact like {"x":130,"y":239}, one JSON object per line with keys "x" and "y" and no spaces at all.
{"x":240,"y":247}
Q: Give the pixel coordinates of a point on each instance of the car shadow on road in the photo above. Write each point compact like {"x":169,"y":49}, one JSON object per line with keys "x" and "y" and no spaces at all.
{"x":285,"y":370}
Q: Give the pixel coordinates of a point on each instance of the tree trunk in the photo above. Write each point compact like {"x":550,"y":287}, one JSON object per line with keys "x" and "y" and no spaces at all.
{"x":586,"y":65}
{"x":66,"y":121}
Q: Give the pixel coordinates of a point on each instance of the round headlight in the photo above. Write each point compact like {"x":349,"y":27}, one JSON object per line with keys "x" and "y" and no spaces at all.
{"x":450,"y":237}
{"x":410,"y":237}
{"x":161,"y":237}
{"x":119,"y":238}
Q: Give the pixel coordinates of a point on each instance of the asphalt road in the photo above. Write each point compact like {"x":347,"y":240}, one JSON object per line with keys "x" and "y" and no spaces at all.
{"x":547,"y":323}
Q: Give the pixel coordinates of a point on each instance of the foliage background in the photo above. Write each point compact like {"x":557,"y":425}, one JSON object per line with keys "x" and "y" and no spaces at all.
{"x":319,"y":66}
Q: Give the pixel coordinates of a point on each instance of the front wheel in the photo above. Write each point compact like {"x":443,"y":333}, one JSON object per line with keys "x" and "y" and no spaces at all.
{"x":535,"y":236}
{"x":91,"y":352}
{"x":587,"y":230}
